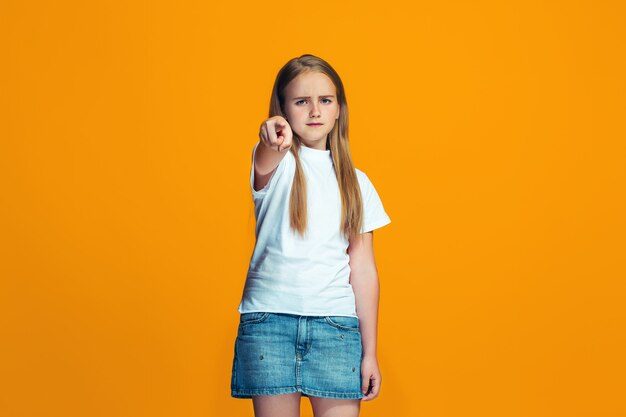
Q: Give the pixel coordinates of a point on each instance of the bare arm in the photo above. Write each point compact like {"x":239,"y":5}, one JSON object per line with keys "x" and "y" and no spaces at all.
{"x":275,"y":141}
{"x":364,"y":280}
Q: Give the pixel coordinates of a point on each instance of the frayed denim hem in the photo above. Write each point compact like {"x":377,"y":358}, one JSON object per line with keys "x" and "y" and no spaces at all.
{"x":249,"y":393}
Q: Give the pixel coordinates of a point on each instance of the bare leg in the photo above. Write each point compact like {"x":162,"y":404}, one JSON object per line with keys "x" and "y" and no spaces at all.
{"x":287,"y":405}
{"x":330,"y":407}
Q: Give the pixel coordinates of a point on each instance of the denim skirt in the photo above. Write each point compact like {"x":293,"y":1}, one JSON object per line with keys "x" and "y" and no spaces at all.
{"x":278,"y":353}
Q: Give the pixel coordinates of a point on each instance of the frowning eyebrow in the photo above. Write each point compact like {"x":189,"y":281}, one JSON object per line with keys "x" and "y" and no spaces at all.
{"x":325,"y":96}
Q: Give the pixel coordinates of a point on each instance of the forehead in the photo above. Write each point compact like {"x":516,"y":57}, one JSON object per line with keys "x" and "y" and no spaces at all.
{"x":312,"y":83}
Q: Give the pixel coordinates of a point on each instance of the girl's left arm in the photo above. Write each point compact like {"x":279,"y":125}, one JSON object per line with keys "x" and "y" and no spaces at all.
{"x":364,"y":280}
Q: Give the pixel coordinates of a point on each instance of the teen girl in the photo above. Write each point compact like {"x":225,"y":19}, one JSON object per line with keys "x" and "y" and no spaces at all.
{"x":309,"y":310}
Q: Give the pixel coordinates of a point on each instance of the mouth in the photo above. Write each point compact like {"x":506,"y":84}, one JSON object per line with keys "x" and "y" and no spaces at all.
{"x":314,"y":124}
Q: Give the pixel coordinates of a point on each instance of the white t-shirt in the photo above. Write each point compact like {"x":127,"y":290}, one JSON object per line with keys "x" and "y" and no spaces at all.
{"x":304,"y":275}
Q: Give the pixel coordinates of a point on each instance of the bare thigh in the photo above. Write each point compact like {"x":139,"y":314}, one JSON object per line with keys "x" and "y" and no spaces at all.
{"x":287,"y":405}
{"x":330,"y":407}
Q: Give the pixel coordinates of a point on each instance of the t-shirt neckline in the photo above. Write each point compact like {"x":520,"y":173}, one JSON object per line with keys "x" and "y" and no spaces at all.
{"x":316,"y":153}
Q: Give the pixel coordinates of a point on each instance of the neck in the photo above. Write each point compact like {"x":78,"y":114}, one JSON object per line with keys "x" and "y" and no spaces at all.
{"x":319,"y":145}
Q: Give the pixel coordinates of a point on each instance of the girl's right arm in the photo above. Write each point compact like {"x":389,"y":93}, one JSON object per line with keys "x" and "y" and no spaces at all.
{"x":275,"y":141}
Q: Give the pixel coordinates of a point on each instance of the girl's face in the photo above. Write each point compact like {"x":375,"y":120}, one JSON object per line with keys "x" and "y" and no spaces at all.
{"x":311,"y":107}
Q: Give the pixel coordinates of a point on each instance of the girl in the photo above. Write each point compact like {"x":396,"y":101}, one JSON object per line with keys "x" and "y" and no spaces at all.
{"x":309,"y":310}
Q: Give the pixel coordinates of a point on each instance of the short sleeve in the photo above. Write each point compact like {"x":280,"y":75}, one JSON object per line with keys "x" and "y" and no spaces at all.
{"x":374,"y":215}
{"x":259,"y":194}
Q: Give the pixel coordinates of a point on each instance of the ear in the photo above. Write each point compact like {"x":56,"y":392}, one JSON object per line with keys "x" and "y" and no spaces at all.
{"x":338,"y":113}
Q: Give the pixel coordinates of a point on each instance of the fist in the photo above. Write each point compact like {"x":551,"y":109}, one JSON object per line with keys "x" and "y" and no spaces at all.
{"x":275,"y":133}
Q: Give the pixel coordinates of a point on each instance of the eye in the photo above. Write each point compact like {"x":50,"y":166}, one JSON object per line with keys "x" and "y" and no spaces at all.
{"x":327,"y":100}
{"x":300,"y":101}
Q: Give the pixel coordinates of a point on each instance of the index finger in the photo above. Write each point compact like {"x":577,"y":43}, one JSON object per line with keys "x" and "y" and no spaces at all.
{"x":271,"y":132}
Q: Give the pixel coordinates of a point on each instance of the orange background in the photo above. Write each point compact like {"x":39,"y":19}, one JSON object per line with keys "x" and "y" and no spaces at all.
{"x":493,"y":131}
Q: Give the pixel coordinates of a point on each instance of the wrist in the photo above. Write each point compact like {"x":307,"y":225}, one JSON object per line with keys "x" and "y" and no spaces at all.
{"x":369,"y":355}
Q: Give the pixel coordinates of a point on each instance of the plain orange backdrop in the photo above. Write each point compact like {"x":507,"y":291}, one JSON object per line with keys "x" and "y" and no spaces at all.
{"x":493,"y":131}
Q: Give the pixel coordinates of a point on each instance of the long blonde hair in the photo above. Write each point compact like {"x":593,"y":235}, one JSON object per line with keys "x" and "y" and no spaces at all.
{"x":337,"y":142}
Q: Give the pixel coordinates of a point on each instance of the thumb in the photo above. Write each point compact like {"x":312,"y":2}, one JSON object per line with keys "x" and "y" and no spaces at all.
{"x":365,"y":384}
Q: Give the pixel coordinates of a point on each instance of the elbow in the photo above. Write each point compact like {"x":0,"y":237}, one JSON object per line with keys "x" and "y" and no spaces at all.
{"x":364,"y":278}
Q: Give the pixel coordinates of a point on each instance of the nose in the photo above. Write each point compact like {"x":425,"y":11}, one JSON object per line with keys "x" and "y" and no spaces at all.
{"x":315,"y":110}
